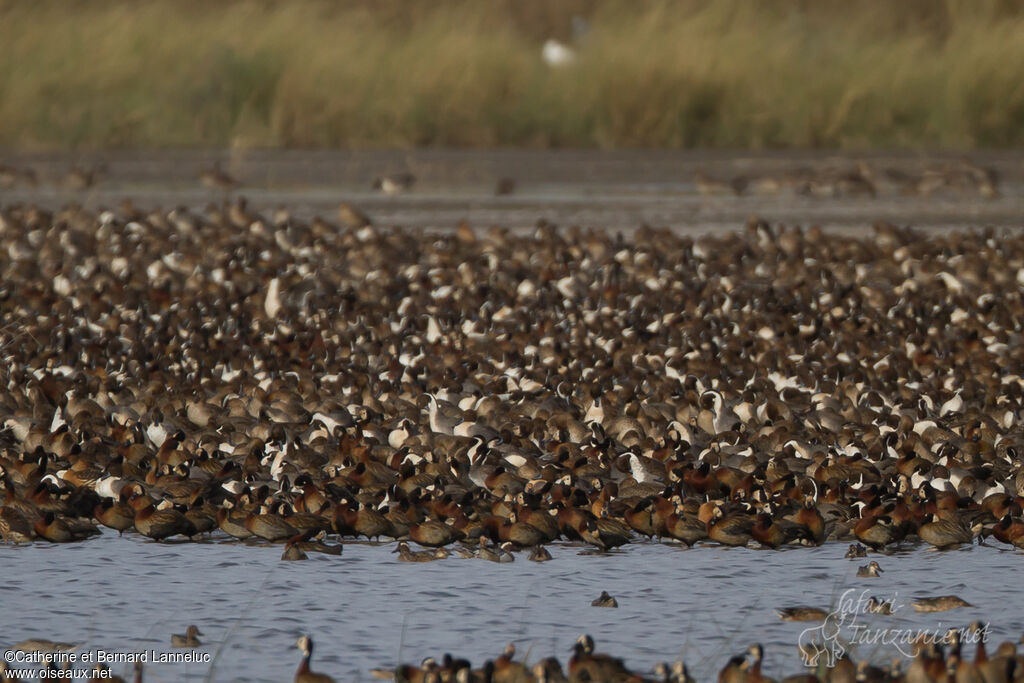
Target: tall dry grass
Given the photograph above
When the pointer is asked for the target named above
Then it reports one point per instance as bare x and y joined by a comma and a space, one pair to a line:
683, 73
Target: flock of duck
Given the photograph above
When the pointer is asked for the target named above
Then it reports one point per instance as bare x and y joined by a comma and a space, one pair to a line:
223, 372
177, 374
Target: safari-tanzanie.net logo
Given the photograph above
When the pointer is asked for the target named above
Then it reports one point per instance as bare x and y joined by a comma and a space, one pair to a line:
846, 627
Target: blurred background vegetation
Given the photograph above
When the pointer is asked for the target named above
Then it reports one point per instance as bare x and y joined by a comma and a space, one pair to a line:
404, 73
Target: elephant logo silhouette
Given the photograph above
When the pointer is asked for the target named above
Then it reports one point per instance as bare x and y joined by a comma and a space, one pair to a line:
822, 641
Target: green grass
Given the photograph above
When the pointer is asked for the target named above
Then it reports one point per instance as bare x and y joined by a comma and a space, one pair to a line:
403, 73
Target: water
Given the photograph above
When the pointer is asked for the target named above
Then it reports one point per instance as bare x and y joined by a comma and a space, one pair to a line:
364, 609
617, 190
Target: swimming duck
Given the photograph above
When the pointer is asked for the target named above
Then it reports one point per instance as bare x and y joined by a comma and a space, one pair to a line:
939, 604
304, 674
539, 554
493, 553
856, 550
43, 645
871, 569
801, 614
293, 553
405, 554
189, 639
605, 600
878, 606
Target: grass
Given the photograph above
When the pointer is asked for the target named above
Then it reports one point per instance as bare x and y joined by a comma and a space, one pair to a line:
404, 73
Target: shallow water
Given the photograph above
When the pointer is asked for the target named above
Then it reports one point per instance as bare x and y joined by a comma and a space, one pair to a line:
616, 190
367, 610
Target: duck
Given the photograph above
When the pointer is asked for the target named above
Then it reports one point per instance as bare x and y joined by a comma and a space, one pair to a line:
189, 639
539, 554
485, 551
232, 526
586, 665
771, 533
504, 186
939, 604
604, 534
405, 554
1007, 530
14, 527
856, 550
877, 605
730, 530
269, 525
432, 533
709, 186
160, 523
871, 569
801, 614
352, 217
505, 669
685, 528
44, 645
116, 515
875, 532
11, 176
216, 178
81, 178
293, 552
944, 533
304, 674
604, 600
520, 533
63, 530
548, 670
394, 183
754, 675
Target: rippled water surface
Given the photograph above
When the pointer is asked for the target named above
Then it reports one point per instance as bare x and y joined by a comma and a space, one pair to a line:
366, 610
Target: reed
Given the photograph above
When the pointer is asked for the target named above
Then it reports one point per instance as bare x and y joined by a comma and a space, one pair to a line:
403, 73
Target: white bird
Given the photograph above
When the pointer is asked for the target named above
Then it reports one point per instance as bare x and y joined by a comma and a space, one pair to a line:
556, 54
953, 405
